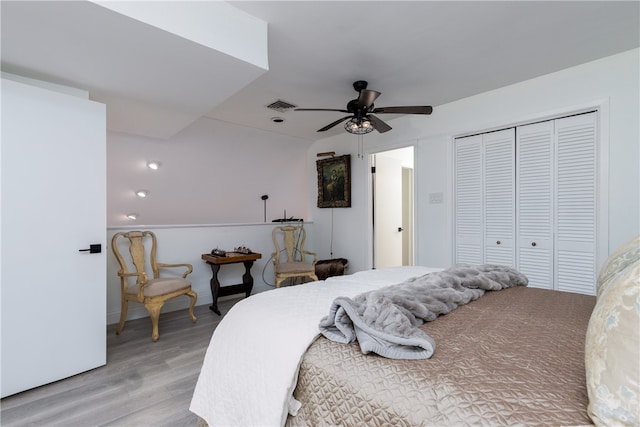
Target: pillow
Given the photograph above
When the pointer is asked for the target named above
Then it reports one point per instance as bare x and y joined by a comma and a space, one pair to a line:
612, 350
617, 262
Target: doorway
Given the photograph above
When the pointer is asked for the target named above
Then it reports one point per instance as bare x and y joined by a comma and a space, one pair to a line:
392, 183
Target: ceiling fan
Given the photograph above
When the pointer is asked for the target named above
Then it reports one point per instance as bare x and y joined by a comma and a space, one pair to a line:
362, 110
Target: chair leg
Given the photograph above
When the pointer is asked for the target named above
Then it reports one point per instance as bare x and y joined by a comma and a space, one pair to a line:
194, 297
314, 277
278, 281
154, 312
123, 315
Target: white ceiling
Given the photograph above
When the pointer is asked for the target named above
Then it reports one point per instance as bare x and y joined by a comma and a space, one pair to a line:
415, 53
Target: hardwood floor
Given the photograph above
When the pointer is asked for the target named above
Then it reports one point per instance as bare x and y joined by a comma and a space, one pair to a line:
143, 383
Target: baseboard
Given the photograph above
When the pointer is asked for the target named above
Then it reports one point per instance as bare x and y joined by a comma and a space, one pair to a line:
137, 311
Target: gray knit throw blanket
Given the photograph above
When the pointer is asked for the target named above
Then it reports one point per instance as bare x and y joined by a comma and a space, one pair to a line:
386, 321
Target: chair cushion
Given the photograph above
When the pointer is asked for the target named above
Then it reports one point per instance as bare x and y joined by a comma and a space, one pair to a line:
161, 286
294, 267
612, 345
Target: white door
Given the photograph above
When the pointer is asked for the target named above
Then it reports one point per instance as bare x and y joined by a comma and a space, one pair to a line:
576, 203
53, 318
499, 197
388, 212
485, 198
535, 170
469, 210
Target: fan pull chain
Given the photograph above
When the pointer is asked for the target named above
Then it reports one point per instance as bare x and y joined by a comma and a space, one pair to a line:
361, 146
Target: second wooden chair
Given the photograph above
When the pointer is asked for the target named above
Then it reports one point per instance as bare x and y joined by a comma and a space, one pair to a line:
293, 263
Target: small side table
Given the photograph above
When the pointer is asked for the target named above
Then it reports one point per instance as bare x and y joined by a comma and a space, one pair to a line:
232, 258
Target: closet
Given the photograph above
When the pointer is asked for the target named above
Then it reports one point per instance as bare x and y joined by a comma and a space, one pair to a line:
526, 197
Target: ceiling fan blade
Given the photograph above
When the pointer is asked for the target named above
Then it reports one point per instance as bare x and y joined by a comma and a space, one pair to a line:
426, 109
378, 124
320, 109
367, 97
330, 125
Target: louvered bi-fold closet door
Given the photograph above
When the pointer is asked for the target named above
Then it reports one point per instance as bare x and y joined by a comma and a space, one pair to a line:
576, 203
499, 197
468, 200
535, 210
537, 213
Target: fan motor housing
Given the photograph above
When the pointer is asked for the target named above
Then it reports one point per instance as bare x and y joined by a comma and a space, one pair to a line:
360, 85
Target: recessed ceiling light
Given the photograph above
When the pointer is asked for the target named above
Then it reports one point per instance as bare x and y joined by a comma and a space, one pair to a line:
133, 215
142, 193
154, 164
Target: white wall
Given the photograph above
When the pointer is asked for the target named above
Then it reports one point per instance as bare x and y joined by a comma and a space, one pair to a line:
217, 25
207, 194
612, 81
212, 173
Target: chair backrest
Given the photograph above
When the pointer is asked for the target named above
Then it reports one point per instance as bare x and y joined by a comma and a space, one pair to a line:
135, 240
292, 238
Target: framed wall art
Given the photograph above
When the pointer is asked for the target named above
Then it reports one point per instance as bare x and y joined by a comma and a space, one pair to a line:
334, 182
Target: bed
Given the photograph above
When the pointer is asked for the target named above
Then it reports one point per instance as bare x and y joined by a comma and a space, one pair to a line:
511, 357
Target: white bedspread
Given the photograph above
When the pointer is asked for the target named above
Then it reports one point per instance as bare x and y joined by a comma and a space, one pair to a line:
250, 368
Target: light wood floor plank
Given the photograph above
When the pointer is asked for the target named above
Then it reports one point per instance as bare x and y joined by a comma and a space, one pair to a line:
143, 384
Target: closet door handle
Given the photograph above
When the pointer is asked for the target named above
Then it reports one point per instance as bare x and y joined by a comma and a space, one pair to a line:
533, 243
498, 242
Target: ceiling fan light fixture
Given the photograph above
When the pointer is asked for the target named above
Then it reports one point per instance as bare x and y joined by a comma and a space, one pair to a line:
358, 126
363, 118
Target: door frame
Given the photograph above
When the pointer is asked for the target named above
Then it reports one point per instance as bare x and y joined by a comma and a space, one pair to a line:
371, 199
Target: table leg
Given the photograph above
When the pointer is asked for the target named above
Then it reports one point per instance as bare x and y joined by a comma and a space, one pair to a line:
215, 288
247, 280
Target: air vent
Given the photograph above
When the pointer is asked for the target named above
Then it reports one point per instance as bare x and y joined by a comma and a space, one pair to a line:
281, 106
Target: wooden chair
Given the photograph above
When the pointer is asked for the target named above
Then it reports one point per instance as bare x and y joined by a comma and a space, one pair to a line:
151, 292
292, 238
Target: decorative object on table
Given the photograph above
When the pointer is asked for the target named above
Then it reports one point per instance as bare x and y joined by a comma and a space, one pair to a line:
334, 182
153, 293
218, 252
243, 250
